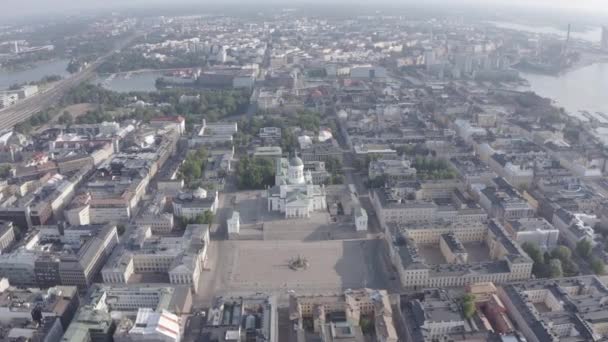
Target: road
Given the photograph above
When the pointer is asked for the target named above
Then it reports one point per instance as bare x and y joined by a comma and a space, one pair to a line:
24, 109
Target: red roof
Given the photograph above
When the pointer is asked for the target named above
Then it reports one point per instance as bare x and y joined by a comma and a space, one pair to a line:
316, 93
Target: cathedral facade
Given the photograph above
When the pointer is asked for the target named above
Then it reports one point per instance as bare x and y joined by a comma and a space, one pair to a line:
294, 193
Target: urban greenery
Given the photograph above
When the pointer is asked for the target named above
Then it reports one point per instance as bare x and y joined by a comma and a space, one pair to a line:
120, 229
133, 60
5, 171
555, 264
255, 173
412, 150
206, 218
193, 167
35, 120
598, 266
564, 255
367, 325
202, 104
431, 168
468, 305
583, 249
66, 118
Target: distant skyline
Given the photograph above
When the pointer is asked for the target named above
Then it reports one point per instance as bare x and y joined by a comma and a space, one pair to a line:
15, 8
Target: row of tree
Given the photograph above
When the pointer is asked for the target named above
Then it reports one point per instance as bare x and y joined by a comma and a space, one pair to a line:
554, 264
334, 167
193, 167
35, 120
584, 249
206, 218
255, 173
559, 263
133, 60
432, 168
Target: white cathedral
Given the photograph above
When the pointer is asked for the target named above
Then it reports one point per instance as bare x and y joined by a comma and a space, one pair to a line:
294, 193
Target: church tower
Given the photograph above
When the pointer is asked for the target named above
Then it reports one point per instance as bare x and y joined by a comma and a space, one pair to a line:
296, 171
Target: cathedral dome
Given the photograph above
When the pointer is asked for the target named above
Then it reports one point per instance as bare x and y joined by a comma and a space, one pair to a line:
296, 161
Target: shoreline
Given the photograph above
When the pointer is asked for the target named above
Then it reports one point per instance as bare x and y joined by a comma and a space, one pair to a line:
31, 66
572, 113
564, 71
141, 71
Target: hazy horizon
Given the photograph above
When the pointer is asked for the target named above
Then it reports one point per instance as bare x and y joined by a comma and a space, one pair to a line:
27, 8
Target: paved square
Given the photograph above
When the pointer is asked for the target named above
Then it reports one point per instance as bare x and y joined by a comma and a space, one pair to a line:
332, 264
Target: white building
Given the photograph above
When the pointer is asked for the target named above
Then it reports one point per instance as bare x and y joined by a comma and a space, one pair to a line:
233, 224
533, 230
467, 131
294, 192
192, 205
182, 258
574, 227
360, 219
27, 91
150, 326
8, 99
160, 223
7, 235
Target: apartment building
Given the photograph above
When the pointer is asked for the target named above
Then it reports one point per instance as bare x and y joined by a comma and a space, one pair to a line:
182, 258
534, 230
39, 261
191, 205
7, 235
501, 200
575, 308
352, 305
505, 261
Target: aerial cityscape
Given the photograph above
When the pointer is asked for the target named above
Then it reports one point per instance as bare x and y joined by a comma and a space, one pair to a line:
306, 172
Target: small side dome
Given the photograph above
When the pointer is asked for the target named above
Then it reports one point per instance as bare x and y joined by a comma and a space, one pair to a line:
199, 193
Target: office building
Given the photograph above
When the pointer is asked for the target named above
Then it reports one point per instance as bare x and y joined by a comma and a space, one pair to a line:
149, 326
336, 317
50, 256
415, 258
564, 309
182, 258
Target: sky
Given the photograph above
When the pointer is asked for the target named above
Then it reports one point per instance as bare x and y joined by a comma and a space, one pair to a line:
12, 8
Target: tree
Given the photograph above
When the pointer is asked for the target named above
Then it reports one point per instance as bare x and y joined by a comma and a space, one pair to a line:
5, 171
193, 167
289, 141
562, 253
555, 268
533, 251
583, 248
120, 229
66, 118
367, 325
468, 305
377, 182
333, 165
255, 173
539, 268
208, 217
598, 266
